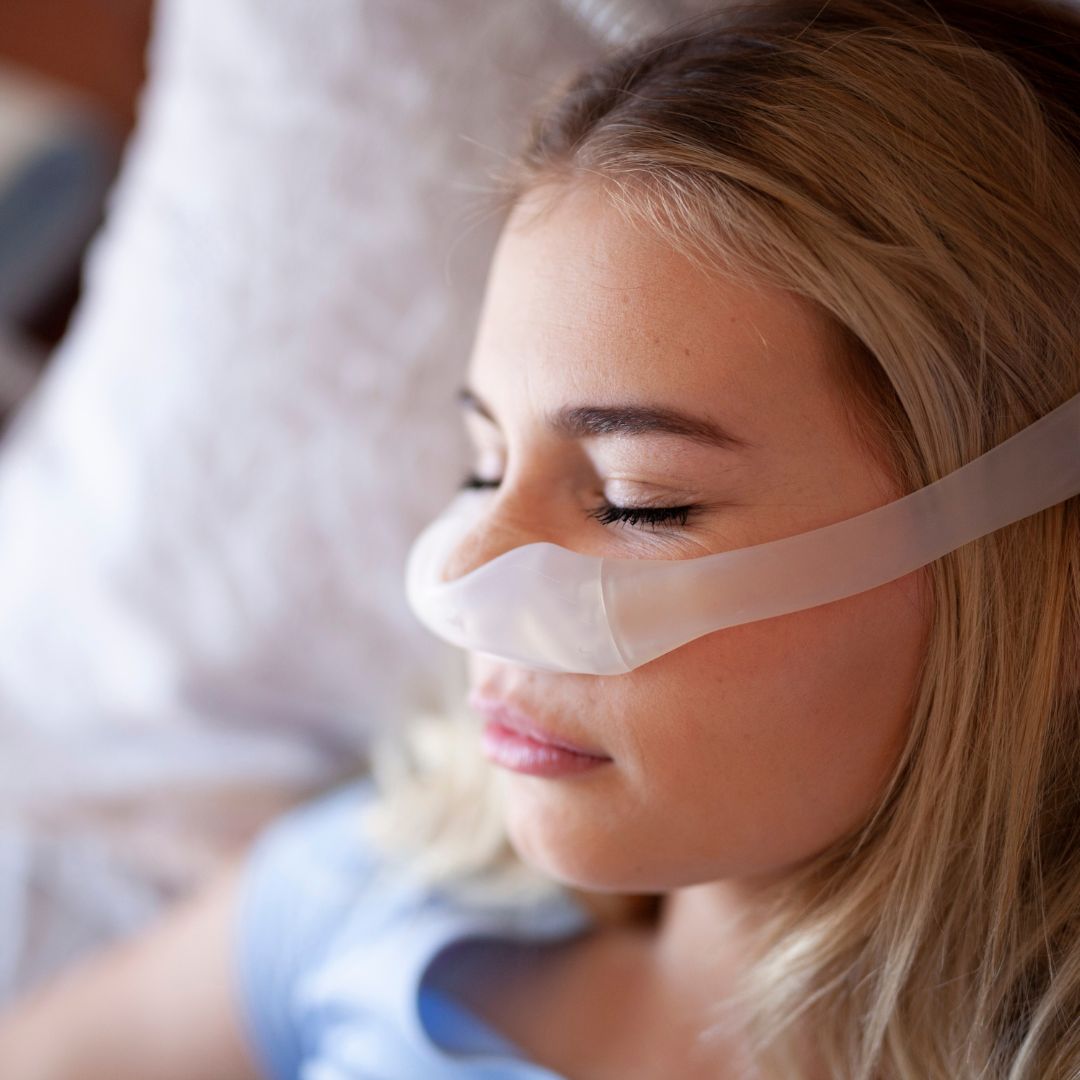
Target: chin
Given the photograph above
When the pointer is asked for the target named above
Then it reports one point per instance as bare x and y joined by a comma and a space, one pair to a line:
578, 849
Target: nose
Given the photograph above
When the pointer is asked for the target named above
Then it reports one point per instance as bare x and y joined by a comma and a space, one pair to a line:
485, 533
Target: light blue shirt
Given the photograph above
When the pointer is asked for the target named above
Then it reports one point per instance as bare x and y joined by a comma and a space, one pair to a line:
331, 958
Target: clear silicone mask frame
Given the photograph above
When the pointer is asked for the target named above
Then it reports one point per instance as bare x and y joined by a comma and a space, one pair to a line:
546, 607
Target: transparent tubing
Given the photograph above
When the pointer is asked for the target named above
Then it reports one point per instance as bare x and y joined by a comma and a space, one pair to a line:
546, 607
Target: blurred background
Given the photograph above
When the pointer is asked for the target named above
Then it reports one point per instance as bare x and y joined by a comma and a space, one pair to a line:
70, 72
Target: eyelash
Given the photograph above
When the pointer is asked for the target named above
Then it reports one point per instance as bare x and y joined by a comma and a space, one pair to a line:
609, 514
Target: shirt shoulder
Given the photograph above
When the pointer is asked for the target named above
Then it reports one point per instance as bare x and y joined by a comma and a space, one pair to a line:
331, 954
302, 875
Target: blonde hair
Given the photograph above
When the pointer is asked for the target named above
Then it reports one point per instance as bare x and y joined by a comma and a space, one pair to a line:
915, 171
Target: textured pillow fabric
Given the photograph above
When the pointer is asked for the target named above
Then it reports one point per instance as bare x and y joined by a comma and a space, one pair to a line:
206, 504
205, 508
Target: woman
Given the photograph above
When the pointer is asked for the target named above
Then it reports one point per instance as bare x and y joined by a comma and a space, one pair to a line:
765, 272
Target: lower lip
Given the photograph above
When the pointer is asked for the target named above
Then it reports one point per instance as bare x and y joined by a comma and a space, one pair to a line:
512, 750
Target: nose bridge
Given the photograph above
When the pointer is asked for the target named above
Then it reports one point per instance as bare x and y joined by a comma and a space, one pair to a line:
488, 533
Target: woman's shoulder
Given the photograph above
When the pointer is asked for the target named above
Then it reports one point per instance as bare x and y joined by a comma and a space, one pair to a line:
317, 867
318, 843
300, 877
333, 941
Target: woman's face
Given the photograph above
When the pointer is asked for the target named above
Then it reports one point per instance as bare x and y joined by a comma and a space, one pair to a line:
749, 749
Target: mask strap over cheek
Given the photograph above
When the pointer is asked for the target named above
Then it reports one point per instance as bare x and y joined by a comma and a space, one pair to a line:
546, 607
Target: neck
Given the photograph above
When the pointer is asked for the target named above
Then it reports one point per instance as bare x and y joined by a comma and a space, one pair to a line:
702, 937
704, 941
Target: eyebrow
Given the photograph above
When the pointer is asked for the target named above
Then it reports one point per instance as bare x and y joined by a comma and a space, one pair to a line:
585, 421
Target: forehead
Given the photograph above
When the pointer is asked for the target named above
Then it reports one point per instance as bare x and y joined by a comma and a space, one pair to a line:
582, 304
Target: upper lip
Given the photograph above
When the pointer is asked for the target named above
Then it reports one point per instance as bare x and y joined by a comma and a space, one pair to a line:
514, 716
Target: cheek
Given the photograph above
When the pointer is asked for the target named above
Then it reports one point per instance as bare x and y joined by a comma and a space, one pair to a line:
783, 729
739, 754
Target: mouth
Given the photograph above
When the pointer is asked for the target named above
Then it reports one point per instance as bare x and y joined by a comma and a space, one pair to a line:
514, 739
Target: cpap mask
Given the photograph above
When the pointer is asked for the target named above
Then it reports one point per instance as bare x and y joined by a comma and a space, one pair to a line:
544, 606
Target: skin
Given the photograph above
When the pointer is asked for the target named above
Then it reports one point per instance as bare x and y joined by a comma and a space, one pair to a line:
740, 754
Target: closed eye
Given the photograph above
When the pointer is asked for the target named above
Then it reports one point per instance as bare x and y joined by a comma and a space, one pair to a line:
640, 517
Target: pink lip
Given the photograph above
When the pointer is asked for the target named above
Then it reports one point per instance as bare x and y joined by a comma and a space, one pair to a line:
511, 716
512, 739
509, 748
